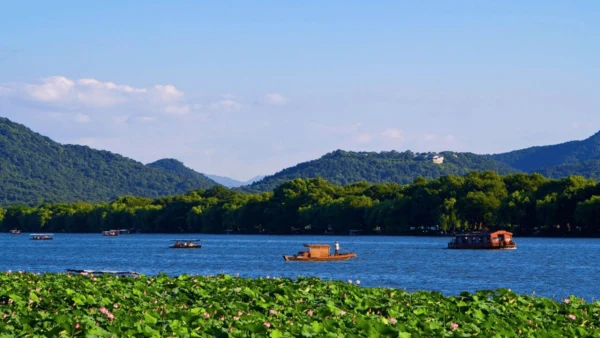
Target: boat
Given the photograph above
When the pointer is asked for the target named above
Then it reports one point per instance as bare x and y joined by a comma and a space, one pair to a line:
483, 240
41, 237
104, 272
318, 253
111, 233
186, 244
15, 232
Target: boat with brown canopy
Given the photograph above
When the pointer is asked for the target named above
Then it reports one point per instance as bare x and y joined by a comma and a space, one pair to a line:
318, 253
483, 240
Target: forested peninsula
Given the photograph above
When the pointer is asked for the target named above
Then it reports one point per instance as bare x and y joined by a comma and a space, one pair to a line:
527, 204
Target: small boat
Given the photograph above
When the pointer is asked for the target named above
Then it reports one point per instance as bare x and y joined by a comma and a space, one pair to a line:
483, 240
318, 253
104, 272
111, 233
15, 232
41, 237
186, 244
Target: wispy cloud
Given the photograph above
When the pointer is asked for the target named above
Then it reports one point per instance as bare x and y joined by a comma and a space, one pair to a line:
228, 105
274, 99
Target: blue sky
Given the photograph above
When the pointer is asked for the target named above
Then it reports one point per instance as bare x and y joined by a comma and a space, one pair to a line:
244, 88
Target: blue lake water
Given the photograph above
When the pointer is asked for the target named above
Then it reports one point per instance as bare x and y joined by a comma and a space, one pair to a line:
547, 266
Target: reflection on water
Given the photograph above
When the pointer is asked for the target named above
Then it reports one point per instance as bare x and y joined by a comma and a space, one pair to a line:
550, 267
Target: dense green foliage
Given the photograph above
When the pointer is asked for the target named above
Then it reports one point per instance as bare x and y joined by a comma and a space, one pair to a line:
343, 167
34, 168
56, 305
525, 204
589, 168
544, 157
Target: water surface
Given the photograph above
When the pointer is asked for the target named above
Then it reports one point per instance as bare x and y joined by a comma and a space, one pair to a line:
547, 266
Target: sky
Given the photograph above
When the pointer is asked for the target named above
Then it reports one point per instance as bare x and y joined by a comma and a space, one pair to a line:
246, 88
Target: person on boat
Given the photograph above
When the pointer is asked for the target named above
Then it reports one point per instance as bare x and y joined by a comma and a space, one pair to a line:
337, 248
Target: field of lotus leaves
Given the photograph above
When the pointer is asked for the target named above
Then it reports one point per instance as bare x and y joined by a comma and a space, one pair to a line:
54, 305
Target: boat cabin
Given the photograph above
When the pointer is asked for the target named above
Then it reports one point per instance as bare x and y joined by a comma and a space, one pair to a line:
186, 244
483, 240
316, 251
41, 237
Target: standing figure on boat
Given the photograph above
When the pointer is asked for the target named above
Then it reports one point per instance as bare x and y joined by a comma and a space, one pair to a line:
337, 248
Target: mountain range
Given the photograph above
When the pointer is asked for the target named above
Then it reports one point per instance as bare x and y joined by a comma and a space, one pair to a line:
232, 183
35, 169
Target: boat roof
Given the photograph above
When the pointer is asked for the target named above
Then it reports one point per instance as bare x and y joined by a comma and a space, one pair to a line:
186, 240
317, 245
41, 235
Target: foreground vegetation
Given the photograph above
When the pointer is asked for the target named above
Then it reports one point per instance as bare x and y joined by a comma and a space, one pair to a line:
56, 305
525, 204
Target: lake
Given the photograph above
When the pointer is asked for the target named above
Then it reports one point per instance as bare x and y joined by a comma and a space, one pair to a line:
547, 266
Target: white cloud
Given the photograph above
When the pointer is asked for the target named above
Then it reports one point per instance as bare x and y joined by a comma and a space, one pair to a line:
90, 92
393, 133
82, 118
167, 93
274, 99
341, 129
54, 88
226, 105
178, 109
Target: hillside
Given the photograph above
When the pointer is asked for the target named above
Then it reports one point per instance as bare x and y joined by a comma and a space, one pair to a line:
342, 167
175, 167
588, 169
35, 169
566, 155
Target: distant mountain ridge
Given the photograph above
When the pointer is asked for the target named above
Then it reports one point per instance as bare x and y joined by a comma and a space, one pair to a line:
344, 167
544, 158
233, 183
35, 169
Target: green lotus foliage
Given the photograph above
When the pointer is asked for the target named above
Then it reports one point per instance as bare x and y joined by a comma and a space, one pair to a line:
59, 305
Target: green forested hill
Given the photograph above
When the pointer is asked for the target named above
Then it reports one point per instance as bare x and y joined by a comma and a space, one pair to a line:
175, 167
33, 168
568, 155
343, 167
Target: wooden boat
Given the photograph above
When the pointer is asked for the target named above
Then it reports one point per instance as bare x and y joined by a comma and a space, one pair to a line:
41, 237
15, 232
186, 244
318, 253
104, 272
483, 240
110, 233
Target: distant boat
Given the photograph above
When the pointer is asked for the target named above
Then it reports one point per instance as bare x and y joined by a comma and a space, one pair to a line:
483, 240
318, 253
111, 233
41, 237
186, 244
15, 232
104, 272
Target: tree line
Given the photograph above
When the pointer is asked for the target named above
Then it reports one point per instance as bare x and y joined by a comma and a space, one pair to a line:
527, 204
